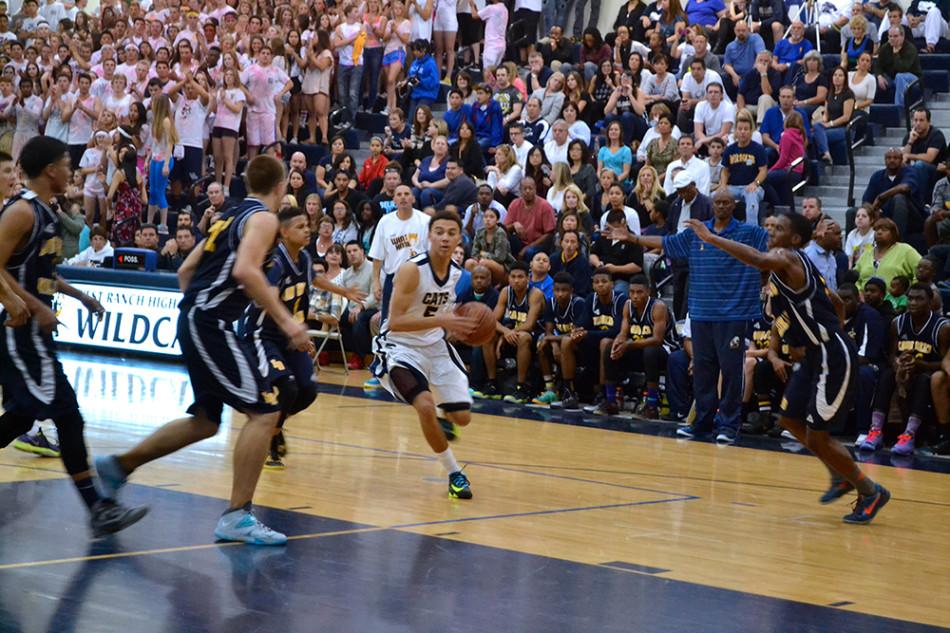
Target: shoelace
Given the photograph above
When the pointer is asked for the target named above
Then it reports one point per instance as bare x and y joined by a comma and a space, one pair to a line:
904, 437
873, 434
260, 526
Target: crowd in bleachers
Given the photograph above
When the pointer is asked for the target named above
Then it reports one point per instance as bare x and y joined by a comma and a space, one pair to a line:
549, 146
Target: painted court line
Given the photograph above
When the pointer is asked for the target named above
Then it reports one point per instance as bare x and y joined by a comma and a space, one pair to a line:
640, 569
317, 535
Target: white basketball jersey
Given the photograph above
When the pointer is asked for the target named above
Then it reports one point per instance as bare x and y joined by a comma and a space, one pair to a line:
432, 297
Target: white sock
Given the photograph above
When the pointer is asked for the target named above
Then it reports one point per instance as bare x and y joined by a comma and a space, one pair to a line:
447, 459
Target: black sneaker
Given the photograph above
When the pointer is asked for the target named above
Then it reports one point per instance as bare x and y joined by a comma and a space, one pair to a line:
488, 392
647, 411
755, 424
569, 400
274, 461
598, 400
520, 396
109, 517
942, 447
459, 488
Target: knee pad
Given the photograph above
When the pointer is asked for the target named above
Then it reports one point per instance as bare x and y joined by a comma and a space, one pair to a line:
409, 383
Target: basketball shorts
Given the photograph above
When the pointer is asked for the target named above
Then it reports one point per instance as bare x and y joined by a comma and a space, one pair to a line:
438, 368
820, 390
224, 368
34, 383
284, 362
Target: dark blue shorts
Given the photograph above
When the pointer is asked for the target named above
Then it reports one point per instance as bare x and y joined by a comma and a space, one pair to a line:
33, 380
224, 368
820, 390
285, 362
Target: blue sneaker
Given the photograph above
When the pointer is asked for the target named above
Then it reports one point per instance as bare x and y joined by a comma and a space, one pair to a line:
726, 437
866, 507
837, 490
241, 525
372, 383
109, 476
459, 487
689, 431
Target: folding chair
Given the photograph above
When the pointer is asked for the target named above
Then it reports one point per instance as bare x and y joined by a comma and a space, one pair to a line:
332, 333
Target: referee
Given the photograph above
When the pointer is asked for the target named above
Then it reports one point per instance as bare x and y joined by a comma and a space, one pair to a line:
723, 301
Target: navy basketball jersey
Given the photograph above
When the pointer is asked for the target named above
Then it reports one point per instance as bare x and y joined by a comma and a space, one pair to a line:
293, 281
34, 265
760, 332
922, 343
641, 325
213, 287
606, 316
565, 319
516, 311
807, 316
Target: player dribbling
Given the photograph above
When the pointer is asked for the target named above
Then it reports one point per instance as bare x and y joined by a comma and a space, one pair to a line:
416, 363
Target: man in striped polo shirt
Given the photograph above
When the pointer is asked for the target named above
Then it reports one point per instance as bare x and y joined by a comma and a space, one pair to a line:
723, 300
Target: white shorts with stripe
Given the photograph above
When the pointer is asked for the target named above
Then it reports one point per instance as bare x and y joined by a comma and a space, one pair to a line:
439, 365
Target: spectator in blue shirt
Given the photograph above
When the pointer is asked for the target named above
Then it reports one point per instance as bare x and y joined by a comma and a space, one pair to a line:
487, 118
423, 77
723, 301
705, 13
894, 193
790, 52
773, 124
745, 168
740, 56
457, 112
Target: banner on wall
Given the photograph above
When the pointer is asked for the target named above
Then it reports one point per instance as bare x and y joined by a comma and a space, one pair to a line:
138, 320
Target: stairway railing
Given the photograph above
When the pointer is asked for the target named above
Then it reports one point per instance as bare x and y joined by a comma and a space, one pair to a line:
851, 145
910, 107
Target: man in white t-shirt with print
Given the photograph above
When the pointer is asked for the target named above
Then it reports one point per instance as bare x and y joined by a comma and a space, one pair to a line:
398, 237
192, 104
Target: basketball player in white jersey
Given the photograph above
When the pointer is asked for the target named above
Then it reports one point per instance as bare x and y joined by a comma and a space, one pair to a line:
415, 362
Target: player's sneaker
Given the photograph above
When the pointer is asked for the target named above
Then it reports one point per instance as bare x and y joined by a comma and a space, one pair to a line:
688, 431
279, 443
520, 396
726, 437
647, 411
598, 400
274, 461
372, 384
942, 447
860, 439
488, 392
459, 488
905, 445
866, 508
547, 398
607, 407
109, 476
109, 517
451, 429
569, 400
837, 490
241, 525
37, 443
873, 441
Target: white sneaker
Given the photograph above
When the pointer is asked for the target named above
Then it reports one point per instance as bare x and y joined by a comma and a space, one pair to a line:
788, 435
242, 525
860, 439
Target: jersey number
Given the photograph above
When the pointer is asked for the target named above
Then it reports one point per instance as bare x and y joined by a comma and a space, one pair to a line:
430, 311
216, 229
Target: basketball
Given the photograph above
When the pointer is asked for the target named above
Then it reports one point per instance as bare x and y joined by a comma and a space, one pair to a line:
486, 322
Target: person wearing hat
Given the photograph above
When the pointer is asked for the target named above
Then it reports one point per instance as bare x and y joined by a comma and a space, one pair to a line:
688, 203
423, 78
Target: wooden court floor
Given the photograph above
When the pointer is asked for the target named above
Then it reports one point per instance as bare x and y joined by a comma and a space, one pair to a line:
684, 534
